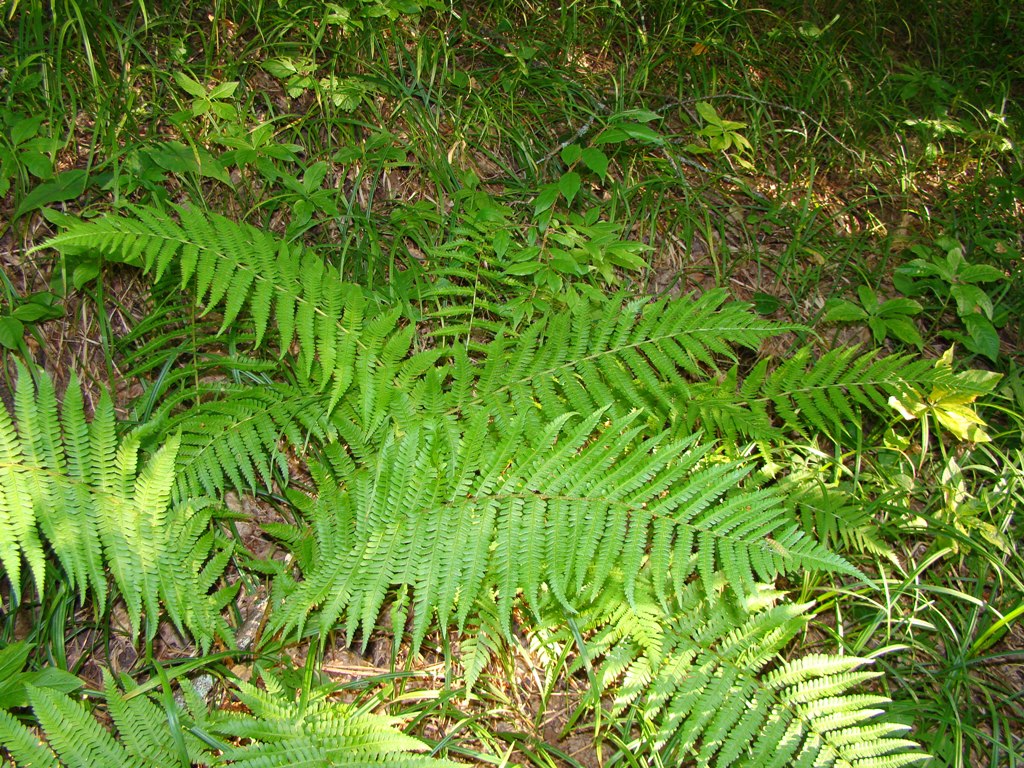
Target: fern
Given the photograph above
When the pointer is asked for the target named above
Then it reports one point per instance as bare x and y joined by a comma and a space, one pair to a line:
708, 682
233, 267
77, 487
624, 355
520, 515
665, 358
237, 436
313, 730
278, 730
569, 468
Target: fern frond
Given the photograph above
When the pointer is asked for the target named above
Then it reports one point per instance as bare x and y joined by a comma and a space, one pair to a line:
237, 436
835, 516
283, 731
707, 679
280, 729
457, 514
822, 396
142, 727
23, 745
101, 506
625, 355
23, 487
233, 267
73, 733
665, 358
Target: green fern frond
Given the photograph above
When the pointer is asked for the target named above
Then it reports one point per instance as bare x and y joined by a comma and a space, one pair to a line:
825, 395
23, 745
665, 358
73, 733
625, 355
835, 516
481, 641
102, 508
707, 680
238, 436
233, 267
279, 730
23, 486
283, 730
458, 514
142, 727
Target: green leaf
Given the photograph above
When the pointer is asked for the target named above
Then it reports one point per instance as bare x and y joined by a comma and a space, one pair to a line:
548, 194
969, 298
190, 86
25, 129
765, 303
11, 332
524, 268
68, 185
223, 110
842, 311
31, 312
224, 90
12, 659
596, 160
980, 273
281, 67
500, 242
564, 262
878, 329
868, 298
85, 273
314, 177
38, 164
613, 134
571, 153
982, 336
641, 133
708, 113
903, 328
899, 307
569, 185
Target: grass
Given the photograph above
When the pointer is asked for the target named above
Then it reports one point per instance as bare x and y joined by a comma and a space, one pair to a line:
405, 144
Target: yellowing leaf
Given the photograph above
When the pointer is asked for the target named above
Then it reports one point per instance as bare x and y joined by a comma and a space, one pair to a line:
963, 422
908, 410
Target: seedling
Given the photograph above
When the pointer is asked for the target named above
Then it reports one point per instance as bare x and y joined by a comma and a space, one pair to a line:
949, 276
722, 136
893, 316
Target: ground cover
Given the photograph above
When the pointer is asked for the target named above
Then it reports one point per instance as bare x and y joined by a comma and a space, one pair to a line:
574, 384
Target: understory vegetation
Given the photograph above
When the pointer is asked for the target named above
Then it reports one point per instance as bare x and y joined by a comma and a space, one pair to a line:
394, 382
